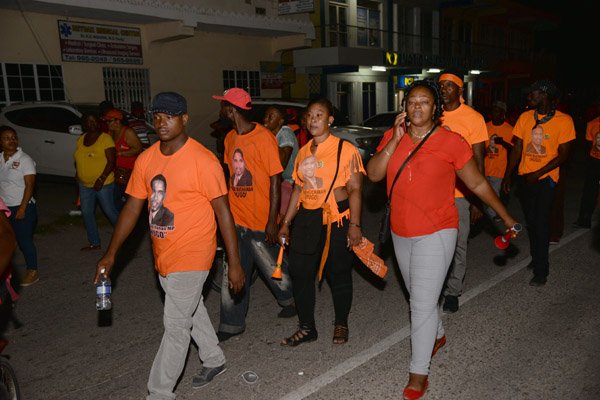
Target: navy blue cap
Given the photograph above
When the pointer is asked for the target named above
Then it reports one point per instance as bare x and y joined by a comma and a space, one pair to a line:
169, 103
545, 86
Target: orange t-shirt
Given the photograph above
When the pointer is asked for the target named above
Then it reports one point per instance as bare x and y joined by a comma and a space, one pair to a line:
469, 124
183, 230
314, 174
252, 159
592, 133
560, 129
496, 156
423, 199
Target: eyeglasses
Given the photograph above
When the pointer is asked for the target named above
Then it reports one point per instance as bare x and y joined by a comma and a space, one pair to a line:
111, 120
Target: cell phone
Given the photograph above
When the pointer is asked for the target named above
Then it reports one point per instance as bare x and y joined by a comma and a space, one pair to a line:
403, 109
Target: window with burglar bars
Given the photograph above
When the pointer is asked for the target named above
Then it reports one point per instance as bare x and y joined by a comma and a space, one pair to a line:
30, 82
124, 85
247, 80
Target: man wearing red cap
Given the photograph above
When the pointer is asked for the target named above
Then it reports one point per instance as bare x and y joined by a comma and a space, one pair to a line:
255, 208
460, 118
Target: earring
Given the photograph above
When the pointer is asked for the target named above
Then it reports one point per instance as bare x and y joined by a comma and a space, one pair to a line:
328, 124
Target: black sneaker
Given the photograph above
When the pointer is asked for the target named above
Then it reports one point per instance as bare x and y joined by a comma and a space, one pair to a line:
537, 281
288, 311
450, 304
223, 336
206, 375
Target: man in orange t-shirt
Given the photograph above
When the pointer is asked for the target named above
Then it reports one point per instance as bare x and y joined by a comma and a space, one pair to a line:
539, 171
252, 156
192, 187
589, 195
464, 120
497, 148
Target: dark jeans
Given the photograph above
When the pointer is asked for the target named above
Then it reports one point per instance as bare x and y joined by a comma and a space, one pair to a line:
536, 201
24, 233
590, 191
337, 272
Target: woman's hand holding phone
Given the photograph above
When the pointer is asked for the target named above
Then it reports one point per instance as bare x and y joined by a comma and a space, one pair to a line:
400, 126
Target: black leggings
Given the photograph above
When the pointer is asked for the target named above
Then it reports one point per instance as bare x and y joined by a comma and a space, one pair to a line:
303, 269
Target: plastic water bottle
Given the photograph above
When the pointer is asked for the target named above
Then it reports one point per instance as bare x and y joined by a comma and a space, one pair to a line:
103, 290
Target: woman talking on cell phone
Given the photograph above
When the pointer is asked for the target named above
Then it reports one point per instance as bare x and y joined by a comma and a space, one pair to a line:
424, 218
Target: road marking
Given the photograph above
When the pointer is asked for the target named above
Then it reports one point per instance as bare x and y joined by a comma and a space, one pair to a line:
314, 385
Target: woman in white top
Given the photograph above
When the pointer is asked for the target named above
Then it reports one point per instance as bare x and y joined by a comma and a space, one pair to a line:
17, 180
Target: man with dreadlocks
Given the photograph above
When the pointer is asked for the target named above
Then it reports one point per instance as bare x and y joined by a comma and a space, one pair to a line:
538, 171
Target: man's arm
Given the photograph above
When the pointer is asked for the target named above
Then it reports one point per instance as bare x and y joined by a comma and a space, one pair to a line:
561, 158
513, 160
274, 204
127, 220
284, 155
235, 273
8, 242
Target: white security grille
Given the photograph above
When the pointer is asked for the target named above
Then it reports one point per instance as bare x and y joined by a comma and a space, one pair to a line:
124, 85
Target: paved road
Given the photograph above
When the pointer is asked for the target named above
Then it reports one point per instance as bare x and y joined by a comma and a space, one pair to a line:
508, 340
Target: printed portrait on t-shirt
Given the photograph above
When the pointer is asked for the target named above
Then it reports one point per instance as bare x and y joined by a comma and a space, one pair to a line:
159, 215
308, 167
537, 138
492, 149
596, 145
241, 175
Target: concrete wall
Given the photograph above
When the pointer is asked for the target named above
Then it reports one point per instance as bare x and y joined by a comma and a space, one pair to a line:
190, 63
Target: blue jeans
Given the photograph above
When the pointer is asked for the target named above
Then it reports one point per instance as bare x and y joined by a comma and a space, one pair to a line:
88, 198
24, 233
254, 251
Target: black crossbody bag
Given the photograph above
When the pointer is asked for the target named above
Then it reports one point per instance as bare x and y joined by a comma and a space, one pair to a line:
384, 226
306, 229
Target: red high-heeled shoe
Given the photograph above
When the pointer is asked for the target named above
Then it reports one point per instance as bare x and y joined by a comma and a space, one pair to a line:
413, 394
439, 343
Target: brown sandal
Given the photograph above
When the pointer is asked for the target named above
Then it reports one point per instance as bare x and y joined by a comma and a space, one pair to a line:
90, 247
340, 334
302, 335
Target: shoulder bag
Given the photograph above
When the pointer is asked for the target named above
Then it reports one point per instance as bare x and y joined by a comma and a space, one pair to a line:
384, 226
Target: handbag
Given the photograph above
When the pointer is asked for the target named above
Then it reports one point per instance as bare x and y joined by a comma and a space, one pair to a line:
385, 224
306, 229
122, 175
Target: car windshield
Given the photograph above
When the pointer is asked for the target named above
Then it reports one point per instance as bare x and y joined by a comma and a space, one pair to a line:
379, 120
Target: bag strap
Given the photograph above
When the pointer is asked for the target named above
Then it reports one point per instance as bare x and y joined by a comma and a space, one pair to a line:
408, 158
337, 168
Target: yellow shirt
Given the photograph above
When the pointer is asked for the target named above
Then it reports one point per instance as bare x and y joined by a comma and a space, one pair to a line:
91, 160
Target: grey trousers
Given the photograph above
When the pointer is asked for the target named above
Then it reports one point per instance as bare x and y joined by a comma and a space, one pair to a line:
424, 263
454, 285
184, 316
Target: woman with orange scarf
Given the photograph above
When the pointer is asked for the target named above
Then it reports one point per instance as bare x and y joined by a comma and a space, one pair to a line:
325, 218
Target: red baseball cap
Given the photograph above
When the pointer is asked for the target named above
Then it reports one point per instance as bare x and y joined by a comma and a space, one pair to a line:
236, 96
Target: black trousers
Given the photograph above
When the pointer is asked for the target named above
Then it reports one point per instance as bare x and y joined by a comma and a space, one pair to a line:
303, 270
536, 201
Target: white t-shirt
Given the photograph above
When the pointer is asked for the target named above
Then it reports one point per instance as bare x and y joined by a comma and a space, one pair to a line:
12, 177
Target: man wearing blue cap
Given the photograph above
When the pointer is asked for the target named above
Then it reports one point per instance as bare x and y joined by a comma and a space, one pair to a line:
185, 246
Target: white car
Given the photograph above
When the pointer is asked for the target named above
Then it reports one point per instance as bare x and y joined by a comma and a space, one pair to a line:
365, 139
49, 131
